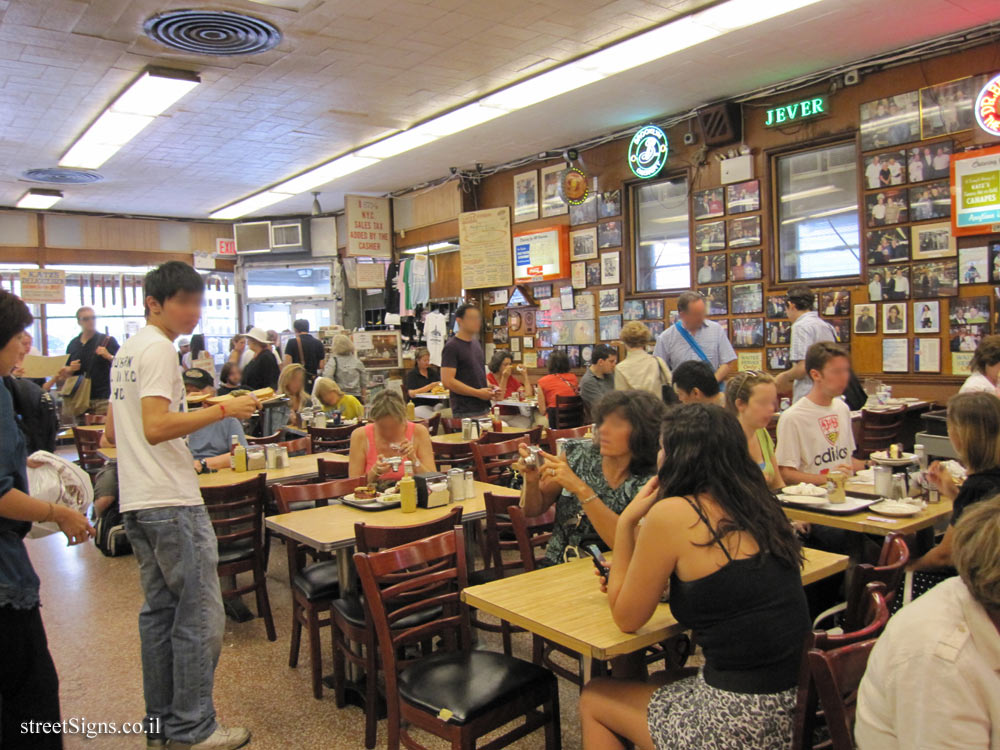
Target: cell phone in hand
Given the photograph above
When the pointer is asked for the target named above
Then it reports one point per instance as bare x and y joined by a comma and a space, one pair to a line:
600, 562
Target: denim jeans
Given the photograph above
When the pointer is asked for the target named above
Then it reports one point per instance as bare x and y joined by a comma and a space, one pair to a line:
181, 623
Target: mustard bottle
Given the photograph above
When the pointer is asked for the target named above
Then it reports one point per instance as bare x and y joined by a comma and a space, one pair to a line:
411, 410
407, 495
240, 458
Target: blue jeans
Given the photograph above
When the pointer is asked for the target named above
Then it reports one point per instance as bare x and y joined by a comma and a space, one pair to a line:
181, 623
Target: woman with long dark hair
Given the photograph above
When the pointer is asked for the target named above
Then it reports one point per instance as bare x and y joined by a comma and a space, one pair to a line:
708, 528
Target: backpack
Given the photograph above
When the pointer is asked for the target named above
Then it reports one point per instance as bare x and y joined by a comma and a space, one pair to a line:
36, 414
110, 536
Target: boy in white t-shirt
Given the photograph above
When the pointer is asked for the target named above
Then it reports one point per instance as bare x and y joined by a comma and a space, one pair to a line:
181, 623
815, 435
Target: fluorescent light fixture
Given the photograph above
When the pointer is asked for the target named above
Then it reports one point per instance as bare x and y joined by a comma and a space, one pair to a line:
147, 96
248, 205
322, 174
432, 249
457, 120
39, 198
547, 85
396, 144
738, 14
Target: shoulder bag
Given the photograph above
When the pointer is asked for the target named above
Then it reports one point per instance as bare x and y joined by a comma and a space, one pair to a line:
76, 391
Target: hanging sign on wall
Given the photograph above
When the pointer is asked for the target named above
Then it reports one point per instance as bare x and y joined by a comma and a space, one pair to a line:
988, 107
647, 151
369, 226
975, 195
806, 109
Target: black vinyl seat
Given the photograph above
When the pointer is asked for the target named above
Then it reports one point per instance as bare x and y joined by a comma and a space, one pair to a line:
318, 581
352, 608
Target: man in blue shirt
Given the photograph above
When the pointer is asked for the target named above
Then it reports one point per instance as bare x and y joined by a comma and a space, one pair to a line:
210, 445
807, 329
673, 346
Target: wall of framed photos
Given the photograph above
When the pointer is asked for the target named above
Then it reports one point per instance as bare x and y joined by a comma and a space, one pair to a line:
917, 299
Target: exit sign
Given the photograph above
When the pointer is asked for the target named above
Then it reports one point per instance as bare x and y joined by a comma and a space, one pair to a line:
806, 109
225, 246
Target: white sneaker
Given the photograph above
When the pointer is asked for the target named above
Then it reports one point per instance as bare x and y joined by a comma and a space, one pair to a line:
220, 739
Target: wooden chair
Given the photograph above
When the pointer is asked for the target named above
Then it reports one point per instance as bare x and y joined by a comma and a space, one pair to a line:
531, 534
331, 469
493, 460
889, 571
532, 436
481, 690
433, 423
92, 419
451, 424
313, 586
569, 411
570, 433
453, 455
879, 430
832, 683
275, 438
88, 442
352, 624
298, 447
237, 515
332, 439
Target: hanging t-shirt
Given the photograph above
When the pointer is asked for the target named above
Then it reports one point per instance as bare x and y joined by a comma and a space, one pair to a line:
391, 288
418, 281
815, 439
435, 333
149, 476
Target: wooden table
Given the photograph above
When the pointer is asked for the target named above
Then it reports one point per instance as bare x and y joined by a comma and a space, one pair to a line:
455, 438
861, 522
89, 427
564, 604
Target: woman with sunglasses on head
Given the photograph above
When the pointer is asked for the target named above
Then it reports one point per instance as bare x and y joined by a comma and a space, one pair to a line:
708, 527
751, 396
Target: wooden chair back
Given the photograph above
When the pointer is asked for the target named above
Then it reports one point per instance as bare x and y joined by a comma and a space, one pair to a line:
879, 430
237, 513
531, 533
332, 439
837, 675
532, 436
328, 469
454, 455
433, 423
493, 460
87, 444
92, 419
568, 411
275, 438
299, 446
375, 538
451, 424
571, 433
889, 572
291, 497
499, 534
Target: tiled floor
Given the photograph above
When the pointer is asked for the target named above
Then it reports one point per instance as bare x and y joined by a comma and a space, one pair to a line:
90, 606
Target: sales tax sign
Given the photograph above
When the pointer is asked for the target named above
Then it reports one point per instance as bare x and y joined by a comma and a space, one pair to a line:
369, 226
975, 195
647, 151
988, 107
39, 285
794, 112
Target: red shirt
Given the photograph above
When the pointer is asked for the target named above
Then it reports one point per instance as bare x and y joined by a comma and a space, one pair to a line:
552, 385
512, 384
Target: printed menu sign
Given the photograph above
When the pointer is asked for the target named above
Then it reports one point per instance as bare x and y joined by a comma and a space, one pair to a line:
369, 226
484, 237
41, 285
975, 196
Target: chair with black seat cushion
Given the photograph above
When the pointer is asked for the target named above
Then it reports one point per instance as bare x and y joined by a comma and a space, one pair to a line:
351, 623
493, 460
457, 693
332, 439
831, 670
568, 411
237, 515
329, 469
313, 586
570, 433
532, 436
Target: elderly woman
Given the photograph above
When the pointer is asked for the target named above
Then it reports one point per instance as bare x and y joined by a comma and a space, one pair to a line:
752, 396
640, 370
932, 678
292, 383
389, 434
346, 369
595, 479
985, 366
262, 371
328, 396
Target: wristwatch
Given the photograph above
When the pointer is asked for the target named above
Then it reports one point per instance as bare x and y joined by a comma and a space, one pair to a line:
204, 466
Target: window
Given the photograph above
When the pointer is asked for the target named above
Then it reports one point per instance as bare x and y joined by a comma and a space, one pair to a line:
282, 282
663, 248
818, 235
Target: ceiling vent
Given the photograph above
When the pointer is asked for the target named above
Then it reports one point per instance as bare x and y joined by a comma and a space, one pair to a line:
62, 176
212, 32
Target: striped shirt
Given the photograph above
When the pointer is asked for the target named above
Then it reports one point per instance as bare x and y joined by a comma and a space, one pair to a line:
711, 337
809, 329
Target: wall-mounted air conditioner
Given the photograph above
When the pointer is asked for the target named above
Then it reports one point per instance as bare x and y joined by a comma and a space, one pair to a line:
277, 236
253, 237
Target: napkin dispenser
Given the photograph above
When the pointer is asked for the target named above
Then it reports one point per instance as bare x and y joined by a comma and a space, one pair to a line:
432, 489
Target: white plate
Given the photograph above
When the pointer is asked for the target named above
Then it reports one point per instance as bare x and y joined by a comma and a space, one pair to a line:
802, 499
882, 457
796, 489
894, 508
363, 499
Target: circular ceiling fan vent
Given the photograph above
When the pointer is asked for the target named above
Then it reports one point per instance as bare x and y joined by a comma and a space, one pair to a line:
62, 176
212, 32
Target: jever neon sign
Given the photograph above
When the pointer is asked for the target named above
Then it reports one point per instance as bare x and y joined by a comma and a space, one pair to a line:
815, 106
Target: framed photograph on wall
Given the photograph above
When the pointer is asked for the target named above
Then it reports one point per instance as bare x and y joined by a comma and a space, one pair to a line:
529, 342
927, 316
654, 309
710, 236
969, 310
892, 283
608, 300
743, 232
633, 310
835, 303
610, 268
718, 299
746, 265
747, 298
553, 201
542, 291
973, 265
526, 196
709, 204
777, 358
947, 108
609, 204
743, 197
610, 327
712, 269
884, 170
578, 275
933, 241
886, 207
890, 121
994, 256
929, 162
865, 320
894, 318
935, 279
609, 234
515, 344
927, 355
888, 246
501, 336
583, 213
583, 244
841, 329
895, 355
779, 333
593, 273
930, 201
747, 333
777, 306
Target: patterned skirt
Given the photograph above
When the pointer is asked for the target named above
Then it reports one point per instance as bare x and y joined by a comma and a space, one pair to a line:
690, 713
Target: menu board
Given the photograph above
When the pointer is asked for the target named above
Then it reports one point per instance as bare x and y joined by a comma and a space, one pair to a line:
541, 255
975, 177
484, 238
369, 226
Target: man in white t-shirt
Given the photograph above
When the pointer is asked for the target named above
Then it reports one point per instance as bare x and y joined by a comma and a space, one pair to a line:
815, 435
181, 623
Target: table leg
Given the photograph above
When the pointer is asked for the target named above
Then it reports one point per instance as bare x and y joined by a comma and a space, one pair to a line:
345, 569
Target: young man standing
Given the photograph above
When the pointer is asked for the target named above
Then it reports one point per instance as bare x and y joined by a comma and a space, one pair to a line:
89, 355
304, 349
815, 435
181, 622
463, 366
600, 376
807, 329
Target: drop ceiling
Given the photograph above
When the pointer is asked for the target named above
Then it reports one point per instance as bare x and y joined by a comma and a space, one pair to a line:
348, 72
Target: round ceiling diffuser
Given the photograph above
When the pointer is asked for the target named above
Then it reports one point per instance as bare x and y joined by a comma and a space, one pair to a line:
62, 176
212, 32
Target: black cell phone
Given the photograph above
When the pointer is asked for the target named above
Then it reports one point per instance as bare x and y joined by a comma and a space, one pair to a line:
599, 560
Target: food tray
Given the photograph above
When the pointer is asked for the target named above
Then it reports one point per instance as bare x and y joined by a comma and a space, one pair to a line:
855, 502
372, 506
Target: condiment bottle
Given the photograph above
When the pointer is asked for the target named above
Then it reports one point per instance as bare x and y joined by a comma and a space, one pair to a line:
407, 495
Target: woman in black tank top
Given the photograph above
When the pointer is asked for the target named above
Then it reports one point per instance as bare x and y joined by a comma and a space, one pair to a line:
709, 528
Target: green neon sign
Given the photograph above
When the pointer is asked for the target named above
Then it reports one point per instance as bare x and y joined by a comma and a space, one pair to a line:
787, 114
647, 151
